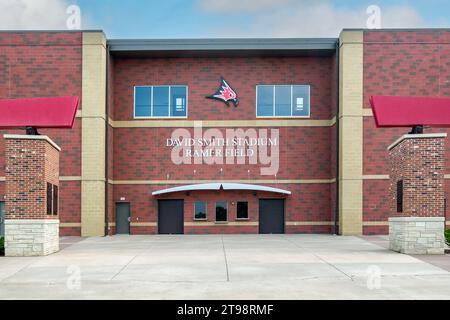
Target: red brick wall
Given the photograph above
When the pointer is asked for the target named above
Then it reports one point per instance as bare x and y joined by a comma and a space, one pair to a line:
305, 152
38, 64
202, 76
413, 62
308, 202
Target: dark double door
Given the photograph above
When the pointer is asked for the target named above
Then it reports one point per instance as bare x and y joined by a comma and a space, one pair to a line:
170, 216
271, 216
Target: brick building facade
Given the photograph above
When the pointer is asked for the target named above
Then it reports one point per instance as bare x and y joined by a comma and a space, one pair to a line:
333, 161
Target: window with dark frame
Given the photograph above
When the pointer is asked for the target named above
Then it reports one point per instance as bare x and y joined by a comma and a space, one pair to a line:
49, 197
200, 210
55, 200
221, 211
400, 196
242, 210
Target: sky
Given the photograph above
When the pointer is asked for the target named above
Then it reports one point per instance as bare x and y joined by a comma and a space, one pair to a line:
222, 18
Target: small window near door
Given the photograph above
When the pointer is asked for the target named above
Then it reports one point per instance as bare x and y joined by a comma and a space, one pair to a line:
242, 210
200, 210
221, 211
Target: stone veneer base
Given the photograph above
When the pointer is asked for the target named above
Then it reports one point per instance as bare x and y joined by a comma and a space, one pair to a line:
417, 235
37, 237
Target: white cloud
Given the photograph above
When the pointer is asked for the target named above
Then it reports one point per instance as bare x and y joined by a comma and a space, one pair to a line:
318, 18
230, 6
33, 14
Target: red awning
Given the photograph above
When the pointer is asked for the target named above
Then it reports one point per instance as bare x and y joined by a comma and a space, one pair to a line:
391, 111
52, 112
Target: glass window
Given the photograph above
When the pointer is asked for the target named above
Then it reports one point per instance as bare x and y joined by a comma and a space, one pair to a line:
178, 101
160, 101
242, 210
142, 101
300, 101
55, 200
282, 101
221, 211
200, 210
265, 101
49, 198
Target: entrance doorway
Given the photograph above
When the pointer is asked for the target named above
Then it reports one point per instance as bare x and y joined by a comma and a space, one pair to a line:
271, 216
170, 216
123, 216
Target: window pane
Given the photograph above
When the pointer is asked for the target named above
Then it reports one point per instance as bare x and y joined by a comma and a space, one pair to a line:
221, 211
49, 198
265, 101
242, 210
160, 101
178, 101
143, 97
55, 200
200, 210
282, 100
300, 100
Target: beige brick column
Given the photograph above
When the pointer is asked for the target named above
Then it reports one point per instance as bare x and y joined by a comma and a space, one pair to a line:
93, 134
350, 132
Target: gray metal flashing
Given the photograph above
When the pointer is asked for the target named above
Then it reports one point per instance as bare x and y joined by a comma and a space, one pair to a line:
309, 46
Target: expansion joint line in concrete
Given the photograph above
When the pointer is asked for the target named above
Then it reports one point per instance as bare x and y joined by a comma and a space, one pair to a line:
320, 258
226, 261
128, 263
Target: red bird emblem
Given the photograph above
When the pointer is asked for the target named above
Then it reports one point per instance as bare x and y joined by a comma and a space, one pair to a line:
225, 93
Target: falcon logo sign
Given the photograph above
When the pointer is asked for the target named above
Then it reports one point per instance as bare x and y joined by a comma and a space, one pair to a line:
225, 93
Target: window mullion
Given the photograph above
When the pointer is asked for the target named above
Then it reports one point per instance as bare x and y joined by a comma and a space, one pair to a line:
292, 111
273, 108
151, 101
169, 103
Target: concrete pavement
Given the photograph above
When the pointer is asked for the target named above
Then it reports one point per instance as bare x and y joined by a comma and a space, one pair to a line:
225, 267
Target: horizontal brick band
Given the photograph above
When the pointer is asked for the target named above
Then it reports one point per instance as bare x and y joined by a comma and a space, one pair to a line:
222, 123
70, 224
162, 182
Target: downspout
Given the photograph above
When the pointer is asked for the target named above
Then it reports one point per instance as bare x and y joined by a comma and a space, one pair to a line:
336, 211
107, 141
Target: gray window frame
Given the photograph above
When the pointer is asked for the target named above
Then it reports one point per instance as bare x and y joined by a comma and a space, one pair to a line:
215, 211
274, 96
248, 209
206, 211
169, 105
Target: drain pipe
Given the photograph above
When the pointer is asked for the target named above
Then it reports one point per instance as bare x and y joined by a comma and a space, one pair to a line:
336, 210
107, 140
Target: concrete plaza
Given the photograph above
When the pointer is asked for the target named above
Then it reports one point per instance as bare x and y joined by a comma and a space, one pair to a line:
225, 267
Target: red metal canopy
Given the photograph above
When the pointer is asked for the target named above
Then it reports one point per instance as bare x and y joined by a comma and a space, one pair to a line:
52, 112
392, 111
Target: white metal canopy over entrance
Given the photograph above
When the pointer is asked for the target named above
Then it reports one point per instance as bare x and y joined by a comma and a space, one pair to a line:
221, 186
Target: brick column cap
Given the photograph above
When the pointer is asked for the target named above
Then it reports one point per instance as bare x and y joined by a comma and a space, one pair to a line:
32, 137
416, 136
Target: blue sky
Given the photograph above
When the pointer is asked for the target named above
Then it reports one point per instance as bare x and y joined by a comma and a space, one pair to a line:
222, 18
197, 18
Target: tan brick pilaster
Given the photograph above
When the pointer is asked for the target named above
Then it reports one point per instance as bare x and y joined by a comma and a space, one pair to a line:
93, 134
351, 132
